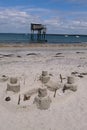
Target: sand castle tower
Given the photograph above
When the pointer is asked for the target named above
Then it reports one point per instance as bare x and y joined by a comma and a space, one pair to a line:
13, 84
70, 84
41, 32
44, 77
42, 101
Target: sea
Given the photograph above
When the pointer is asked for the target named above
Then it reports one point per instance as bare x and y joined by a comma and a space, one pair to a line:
25, 38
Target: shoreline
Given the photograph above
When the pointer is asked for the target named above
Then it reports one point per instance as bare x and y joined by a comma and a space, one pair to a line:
47, 45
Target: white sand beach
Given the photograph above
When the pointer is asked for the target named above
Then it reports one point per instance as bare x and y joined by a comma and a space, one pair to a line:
67, 111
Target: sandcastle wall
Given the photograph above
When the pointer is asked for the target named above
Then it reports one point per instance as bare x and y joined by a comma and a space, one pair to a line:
42, 101
13, 84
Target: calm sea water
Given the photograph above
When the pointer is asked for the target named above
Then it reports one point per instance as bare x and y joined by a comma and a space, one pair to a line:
51, 38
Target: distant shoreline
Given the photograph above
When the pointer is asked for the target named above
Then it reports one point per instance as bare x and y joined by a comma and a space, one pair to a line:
45, 46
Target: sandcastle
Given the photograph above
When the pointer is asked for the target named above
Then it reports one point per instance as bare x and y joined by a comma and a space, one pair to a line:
53, 86
13, 84
29, 93
44, 77
70, 84
42, 101
70, 80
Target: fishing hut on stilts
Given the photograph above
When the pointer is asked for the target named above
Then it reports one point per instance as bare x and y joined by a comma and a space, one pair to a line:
40, 36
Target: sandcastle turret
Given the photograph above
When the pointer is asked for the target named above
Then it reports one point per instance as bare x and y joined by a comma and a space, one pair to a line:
70, 80
13, 84
42, 101
70, 84
44, 77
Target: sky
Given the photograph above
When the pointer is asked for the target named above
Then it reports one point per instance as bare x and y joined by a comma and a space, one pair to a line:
59, 16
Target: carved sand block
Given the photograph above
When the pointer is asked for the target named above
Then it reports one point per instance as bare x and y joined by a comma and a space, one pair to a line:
44, 77
52, 86
72, 87
42, 92
44, 73
70, 79
13, 85
42, 101
70, 84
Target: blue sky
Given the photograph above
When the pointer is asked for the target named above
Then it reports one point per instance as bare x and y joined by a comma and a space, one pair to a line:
60, 16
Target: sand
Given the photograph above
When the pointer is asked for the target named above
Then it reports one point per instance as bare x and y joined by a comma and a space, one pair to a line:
68, 111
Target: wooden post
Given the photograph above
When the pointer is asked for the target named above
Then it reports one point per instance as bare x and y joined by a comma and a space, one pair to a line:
61, 78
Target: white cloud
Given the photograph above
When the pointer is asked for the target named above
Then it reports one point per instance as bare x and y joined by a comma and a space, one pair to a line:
12, 20
76, 1
18, 20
